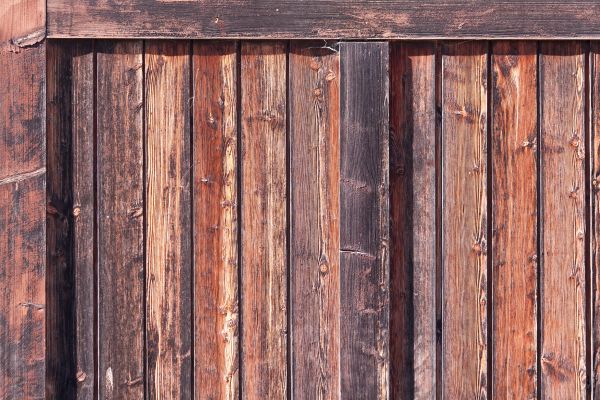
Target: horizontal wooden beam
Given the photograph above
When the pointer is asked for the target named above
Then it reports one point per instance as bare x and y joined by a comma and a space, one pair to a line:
326, 19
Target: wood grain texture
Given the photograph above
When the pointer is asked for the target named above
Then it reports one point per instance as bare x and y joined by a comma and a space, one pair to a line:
168, 220
216, 308
464, 223
264, 220
563, 346
364, 225
412, 221
22, 200
70, 223
595, 209
285, 19
514, 219
121, 214
314, 112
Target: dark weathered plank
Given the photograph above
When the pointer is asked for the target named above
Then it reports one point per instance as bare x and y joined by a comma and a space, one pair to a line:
464, 223
264, 220
364, 214
168, 220
563, 346
594, 214
22, 199
120, 219
216, 309
325, 19
412, 221
314, 172
70, 223
514, 219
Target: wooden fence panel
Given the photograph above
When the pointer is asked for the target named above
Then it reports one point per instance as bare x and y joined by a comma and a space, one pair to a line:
594, 220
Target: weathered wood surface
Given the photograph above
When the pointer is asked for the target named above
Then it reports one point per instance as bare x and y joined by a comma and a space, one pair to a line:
514, 219
366, 19
22, 199
168, 220
364, 225
594, 235
215, 152
562, 324
464, 223
413, 230
121, 215
314, 92
264, 220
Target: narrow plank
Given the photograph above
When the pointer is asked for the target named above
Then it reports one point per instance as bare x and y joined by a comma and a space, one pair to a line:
22, 199
314, 208
318, 19
364, 225
562, 77
70, 229
168, 220
464, 220
412, 221
514, 219
216, 308
121, 214
595, 209
264, 220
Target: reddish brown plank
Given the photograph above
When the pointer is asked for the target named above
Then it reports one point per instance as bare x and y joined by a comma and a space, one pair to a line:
562, 76
514, 219
264, 221
412, 221
121, 215
364, 221
216, 308
22, 199
464, 220
314, 271
70, 225
168, 219
595, 210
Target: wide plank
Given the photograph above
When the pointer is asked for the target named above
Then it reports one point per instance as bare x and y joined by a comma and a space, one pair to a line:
121, 215
413, 221
562, 119
364, 221
168, 219
514, 219
314, 113
216, 272
263, 220
464, 220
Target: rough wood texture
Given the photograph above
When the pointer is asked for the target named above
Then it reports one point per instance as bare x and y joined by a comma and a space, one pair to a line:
563, 360
70, 224
412, 221
514, 219
216, 308
314, 208
325, 19
22, 199
594, 212
464, 223
364, 214
168, 220
120, 219
264, 220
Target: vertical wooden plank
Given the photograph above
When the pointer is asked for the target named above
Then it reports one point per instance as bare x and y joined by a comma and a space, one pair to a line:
314, 271
70, 223
168, 219
514, 219
412, 221
562, 78
595, 210
464, 220
120, 219
264, 221
22, 199
216, 308
364, 214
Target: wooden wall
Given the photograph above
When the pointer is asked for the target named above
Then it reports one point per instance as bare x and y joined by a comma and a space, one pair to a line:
274, 219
